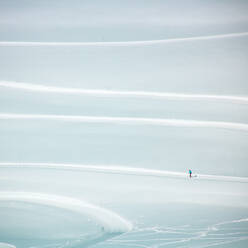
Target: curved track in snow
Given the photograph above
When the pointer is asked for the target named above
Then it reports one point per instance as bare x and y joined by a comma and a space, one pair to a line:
111, 221
122, 43
121, 170
116, 93
128, 120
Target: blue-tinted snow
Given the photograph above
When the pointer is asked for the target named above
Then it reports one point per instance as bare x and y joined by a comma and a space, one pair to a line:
97, 136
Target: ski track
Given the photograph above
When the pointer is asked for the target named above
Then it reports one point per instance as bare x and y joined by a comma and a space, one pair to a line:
121, 170
128, 120
135, 237
111, 221
116, 93
121, 43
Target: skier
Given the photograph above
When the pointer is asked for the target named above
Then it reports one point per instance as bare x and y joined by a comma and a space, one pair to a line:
190, 173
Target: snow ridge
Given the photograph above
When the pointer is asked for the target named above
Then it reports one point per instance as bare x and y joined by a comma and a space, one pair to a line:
128, 120
111, 221
5, 245
121, 169
117, 93
121, 43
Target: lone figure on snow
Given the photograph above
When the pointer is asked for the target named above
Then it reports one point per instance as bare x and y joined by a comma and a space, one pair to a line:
190, 173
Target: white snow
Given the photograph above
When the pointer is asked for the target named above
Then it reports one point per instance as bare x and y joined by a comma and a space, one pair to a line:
128, 120
104, 108
109, 220
114, 93
122, 43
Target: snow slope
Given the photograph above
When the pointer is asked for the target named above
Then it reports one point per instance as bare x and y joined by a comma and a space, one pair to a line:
105, 106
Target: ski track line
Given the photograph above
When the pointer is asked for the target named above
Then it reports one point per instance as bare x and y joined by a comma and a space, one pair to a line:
120, 43
116, 93
127, 120
111, 221
120, 169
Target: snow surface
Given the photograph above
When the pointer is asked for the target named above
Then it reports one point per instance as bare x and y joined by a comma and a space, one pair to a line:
105, 106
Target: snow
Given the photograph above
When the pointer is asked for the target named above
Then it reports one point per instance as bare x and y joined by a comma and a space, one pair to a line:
104, 108
109, 221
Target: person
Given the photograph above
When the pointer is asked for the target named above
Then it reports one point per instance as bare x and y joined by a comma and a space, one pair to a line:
190, 173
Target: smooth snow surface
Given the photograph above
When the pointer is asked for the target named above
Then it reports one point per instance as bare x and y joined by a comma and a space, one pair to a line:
105, 106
